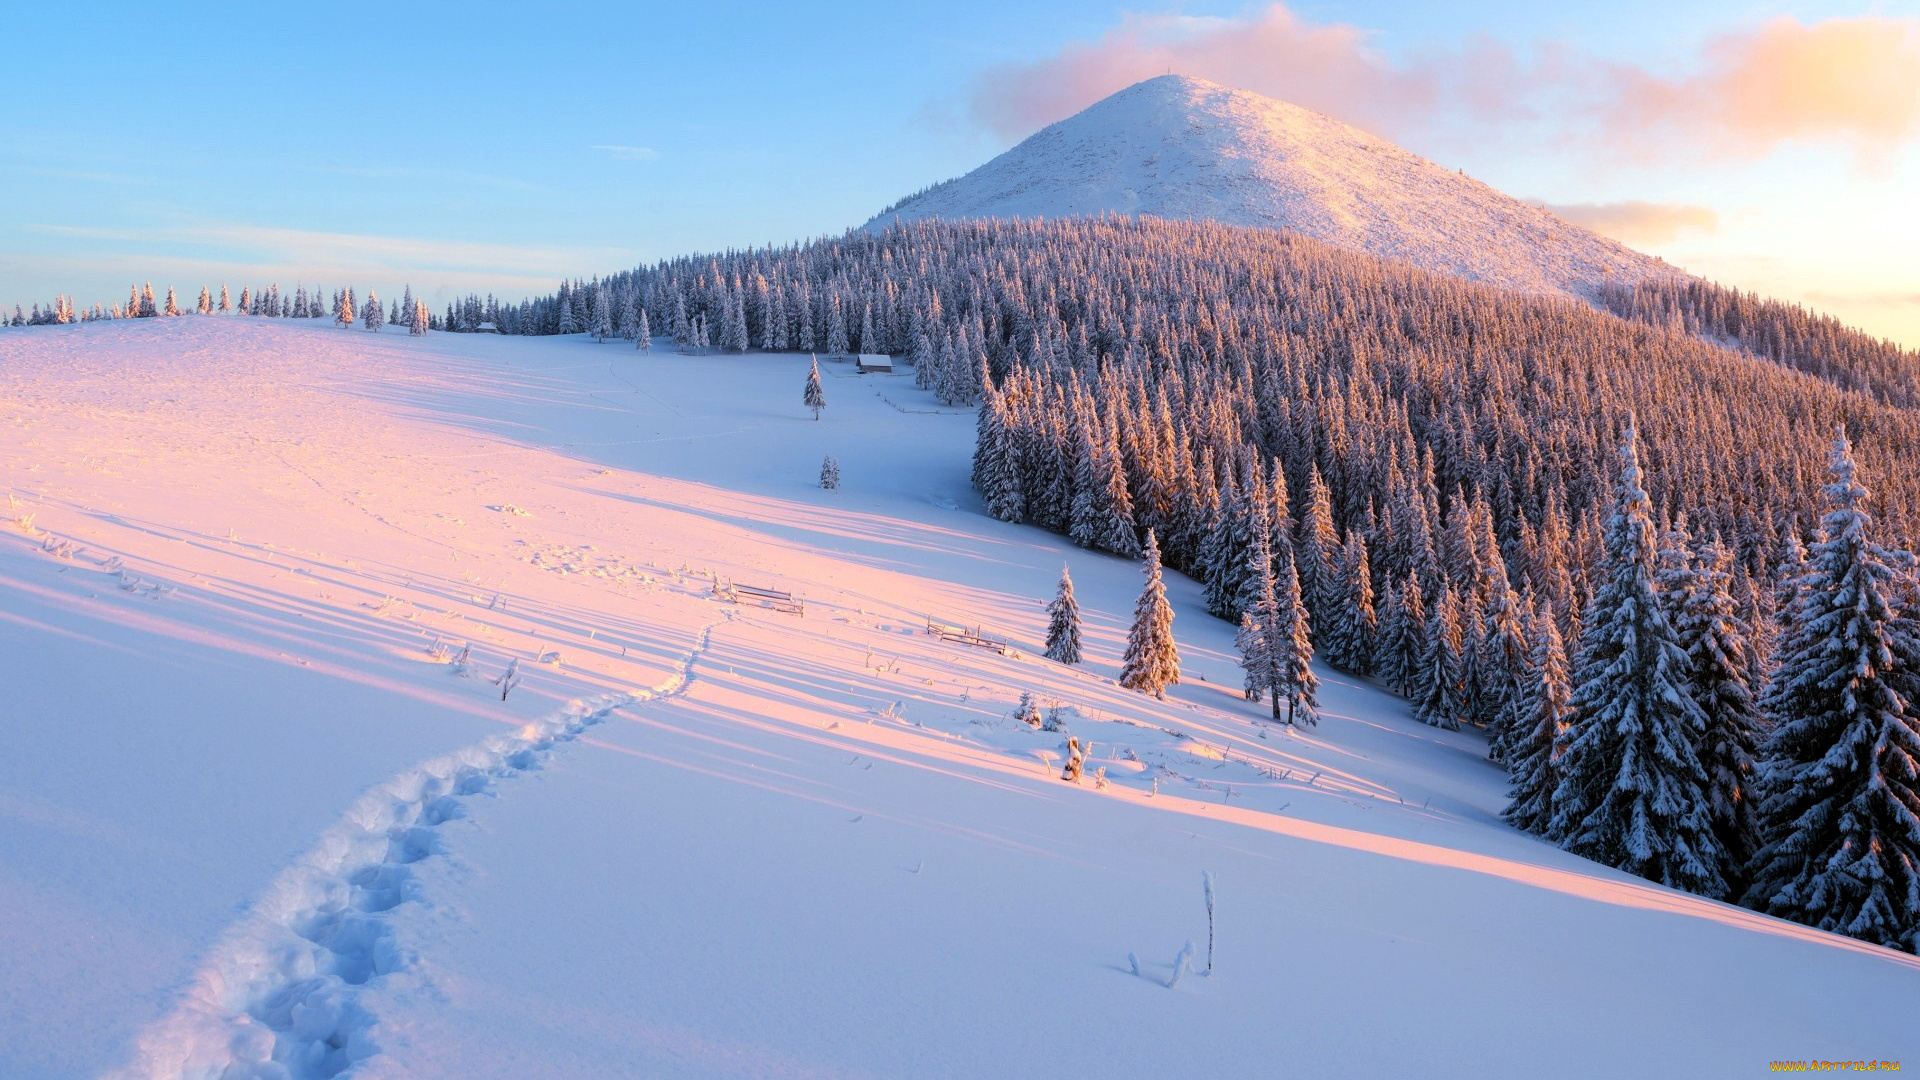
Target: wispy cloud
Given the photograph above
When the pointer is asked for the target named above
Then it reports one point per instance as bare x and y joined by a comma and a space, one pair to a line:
268, 247
1635, 222
629, 153
1854, 82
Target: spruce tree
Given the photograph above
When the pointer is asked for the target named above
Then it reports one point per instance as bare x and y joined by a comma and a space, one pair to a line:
996, 467
814, 397
1632, 793
1439, 697
1259, 620
1840, 790
1402, 640
1534, 745
836, 327
1289, 638
1504, 652
1152, 661
830, 473
601, 315
418, 326
1318, 549
1348, 637
1063, 623
374, 316
1711, 632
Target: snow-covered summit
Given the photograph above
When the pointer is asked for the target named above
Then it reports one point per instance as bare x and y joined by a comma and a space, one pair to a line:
1185, 148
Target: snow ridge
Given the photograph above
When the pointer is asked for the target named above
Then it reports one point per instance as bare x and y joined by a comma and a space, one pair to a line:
1188, 149
279, 997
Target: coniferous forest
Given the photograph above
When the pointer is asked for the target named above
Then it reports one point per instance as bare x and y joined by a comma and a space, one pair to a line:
1658, 548
1635, 549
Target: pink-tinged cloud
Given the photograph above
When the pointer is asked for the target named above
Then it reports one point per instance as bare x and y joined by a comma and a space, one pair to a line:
1635, 222
1274, 52
1852, 81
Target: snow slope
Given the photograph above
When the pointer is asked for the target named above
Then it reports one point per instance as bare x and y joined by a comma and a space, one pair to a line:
1185, 148
257, 823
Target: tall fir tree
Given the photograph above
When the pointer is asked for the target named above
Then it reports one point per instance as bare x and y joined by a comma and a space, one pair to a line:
1063, 623
1632, 793
1711, 632
1318, 549
1401, 645
1349, 638
1289, 637
1152, 660
1533, 752
1440, 695
374, 316
814, 396
1503, 653
1840, 789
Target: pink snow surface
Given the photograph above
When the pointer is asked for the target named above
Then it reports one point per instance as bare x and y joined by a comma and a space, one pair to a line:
254, 823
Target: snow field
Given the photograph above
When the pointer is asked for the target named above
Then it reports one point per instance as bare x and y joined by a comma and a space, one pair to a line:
813, 846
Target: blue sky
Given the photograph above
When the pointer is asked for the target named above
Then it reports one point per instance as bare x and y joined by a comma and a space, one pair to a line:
493, 147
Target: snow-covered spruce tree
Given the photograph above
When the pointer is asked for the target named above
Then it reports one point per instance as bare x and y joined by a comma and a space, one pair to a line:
1102, 510
1317, 551
148, 309
643, 334
342, 307
417, 326
1710, 631
1152, 661
1533, 747
1347, 638
374, 315
627, 321
1063, 623
1439, 697
1027, 712
995, 472
226, 304
1289, 639
602, 315
1840, 790
836, 327
813, 397
1632, 793
1401, 644
1258, 620
1504, 651
205, 306
1223, 552
830, 473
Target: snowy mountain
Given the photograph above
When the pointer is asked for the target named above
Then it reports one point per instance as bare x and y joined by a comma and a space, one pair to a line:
272, 808
1179, 147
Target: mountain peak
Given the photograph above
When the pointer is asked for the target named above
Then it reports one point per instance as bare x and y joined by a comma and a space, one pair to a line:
1176, 146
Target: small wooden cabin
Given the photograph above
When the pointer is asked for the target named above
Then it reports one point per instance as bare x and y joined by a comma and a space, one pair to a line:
877, 362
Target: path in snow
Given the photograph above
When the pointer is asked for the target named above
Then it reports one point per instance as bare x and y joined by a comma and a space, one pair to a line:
280, 997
